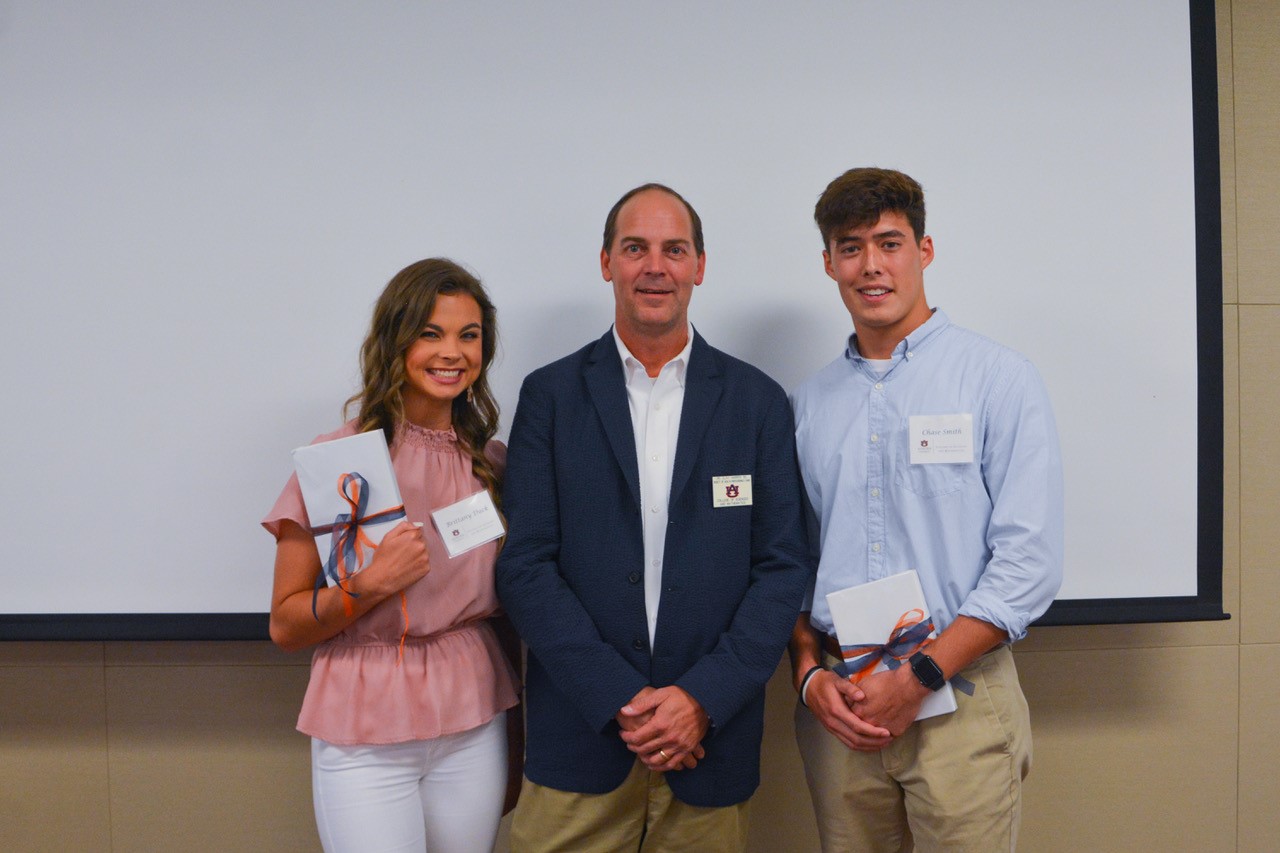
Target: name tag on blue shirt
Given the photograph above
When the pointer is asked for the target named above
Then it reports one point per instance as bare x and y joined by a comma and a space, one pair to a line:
941, 439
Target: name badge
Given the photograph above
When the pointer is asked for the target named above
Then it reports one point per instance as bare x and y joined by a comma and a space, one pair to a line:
469, 523
941, 439
731, 490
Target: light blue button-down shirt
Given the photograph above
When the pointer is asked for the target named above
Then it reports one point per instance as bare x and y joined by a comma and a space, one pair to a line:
985, 537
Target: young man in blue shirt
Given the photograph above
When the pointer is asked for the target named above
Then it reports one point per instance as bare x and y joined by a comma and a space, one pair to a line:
983, 529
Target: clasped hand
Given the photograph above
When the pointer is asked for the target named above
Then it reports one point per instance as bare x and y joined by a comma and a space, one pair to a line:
664, 726
844, 709
891, 699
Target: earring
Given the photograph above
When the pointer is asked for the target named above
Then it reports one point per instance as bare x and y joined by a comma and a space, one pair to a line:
471, 397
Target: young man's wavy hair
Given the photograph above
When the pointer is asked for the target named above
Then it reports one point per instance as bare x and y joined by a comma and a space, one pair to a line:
859, 197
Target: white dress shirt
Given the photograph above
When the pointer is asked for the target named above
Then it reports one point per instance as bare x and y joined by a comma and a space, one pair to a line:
656, 403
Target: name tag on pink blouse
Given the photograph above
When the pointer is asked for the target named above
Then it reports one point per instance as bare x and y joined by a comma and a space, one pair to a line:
469, 523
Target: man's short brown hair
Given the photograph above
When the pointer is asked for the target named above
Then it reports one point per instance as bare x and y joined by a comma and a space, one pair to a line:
860, 196
611, 221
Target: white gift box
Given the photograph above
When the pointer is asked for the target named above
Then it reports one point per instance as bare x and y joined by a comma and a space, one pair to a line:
879, 613
345, 479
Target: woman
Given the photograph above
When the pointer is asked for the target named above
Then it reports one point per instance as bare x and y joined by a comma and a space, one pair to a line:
409, 744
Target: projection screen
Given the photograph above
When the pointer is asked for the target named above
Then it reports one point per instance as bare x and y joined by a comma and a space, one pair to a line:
200, 202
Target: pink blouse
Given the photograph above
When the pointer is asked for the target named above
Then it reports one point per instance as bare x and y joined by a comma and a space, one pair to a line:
453, 676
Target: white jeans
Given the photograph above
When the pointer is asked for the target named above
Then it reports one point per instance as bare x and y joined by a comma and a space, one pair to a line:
442, 795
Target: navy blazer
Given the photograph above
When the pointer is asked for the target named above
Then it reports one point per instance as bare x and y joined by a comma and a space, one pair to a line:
571, 572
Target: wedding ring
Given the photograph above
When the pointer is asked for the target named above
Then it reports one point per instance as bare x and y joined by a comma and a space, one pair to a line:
663, 753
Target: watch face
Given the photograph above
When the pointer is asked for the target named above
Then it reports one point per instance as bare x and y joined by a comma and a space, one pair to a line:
925, 669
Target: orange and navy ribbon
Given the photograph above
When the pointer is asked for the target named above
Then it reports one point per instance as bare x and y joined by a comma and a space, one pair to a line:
349, 543
910, 634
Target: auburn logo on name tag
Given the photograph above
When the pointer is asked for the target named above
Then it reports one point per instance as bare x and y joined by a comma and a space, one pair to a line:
731, 490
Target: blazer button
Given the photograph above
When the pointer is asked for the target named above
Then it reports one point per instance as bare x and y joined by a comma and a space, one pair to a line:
634, 577
638, 645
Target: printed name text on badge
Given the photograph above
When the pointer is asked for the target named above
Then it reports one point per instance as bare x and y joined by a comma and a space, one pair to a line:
469, 523
940, 439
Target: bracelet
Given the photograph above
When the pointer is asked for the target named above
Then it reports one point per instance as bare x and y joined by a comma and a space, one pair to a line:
804, 682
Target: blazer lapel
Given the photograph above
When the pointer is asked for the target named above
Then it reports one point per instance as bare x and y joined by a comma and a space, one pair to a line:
702, 388
607, 387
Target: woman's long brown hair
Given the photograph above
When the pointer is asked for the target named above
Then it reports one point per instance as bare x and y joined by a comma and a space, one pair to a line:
401, 313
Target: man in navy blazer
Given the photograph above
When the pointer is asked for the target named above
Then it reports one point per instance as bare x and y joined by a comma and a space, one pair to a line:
655, 562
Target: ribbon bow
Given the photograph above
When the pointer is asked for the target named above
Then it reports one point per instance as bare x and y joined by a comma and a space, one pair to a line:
911, 633
349, 543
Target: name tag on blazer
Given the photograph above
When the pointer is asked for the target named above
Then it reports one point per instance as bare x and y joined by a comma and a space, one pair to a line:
731, 490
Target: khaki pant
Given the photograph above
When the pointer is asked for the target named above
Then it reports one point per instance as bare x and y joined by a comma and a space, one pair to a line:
953, 781
639, 815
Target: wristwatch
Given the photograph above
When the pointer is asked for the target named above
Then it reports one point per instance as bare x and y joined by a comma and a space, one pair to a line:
929, 673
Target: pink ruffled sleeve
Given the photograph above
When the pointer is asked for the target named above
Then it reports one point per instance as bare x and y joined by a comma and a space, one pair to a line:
289, 506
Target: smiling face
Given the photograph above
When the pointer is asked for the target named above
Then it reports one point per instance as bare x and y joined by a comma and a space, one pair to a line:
654, 267
880, 271
444, 361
